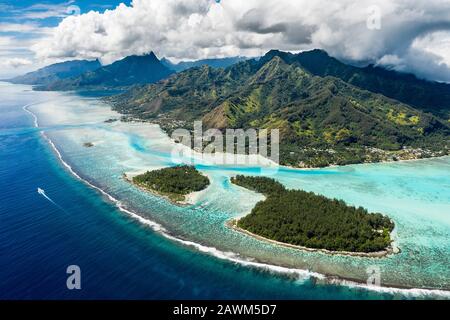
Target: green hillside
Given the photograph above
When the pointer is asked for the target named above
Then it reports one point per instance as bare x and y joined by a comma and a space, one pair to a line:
428, 96
323, 120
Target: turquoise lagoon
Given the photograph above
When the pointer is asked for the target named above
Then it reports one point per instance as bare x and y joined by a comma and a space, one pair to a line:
416, 195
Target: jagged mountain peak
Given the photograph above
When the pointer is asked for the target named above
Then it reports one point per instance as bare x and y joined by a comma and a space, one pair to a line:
143, 58
131, 70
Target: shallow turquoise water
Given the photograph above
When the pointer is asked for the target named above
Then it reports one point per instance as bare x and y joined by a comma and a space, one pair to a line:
415, 194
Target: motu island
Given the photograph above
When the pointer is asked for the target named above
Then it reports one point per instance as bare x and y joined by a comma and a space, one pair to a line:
175, 183
309, 221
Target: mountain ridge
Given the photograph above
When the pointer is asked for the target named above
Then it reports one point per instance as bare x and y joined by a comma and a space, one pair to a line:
57, 71
129, 71
428, 96
212, 62
323, 120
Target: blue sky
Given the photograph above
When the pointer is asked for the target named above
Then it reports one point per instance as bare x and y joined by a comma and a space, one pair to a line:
22, 11
24, 22
409, 36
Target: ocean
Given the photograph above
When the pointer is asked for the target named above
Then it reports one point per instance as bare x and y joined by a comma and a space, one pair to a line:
131, 245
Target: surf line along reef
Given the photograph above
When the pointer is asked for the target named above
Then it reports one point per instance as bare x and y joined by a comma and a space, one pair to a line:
306, 221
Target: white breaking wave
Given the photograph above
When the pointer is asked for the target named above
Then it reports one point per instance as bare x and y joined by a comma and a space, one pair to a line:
413, 292
25, 108
236, 258
230, 256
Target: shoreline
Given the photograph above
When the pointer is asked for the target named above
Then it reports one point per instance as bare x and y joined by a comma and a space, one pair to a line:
364, 163
248, 262
331, 279
188, 198
243, 261
268, 163
232, 224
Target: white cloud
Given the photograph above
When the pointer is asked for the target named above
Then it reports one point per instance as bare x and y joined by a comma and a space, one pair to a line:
12, 43
17, 27
193, 29
41, 11
27, 29
437, 43
16, 57
21, 29
16, 62
5, 41
18, 45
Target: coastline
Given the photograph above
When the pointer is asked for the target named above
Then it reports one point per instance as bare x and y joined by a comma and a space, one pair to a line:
243, 261
326, 278
189, 199
365, 163
263, 161
232, 223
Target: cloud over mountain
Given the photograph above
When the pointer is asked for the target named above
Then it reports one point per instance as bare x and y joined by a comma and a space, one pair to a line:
15, 62
405, 35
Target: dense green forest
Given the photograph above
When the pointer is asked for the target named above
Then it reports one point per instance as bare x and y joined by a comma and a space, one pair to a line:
323, 120
174, 182
428, 96
306, 219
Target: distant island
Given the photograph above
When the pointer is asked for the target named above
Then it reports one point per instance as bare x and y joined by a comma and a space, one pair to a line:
173, 183
308, 221
130, 71
57, 72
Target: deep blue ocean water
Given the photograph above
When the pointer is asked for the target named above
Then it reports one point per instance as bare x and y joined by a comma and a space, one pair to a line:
118, 257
